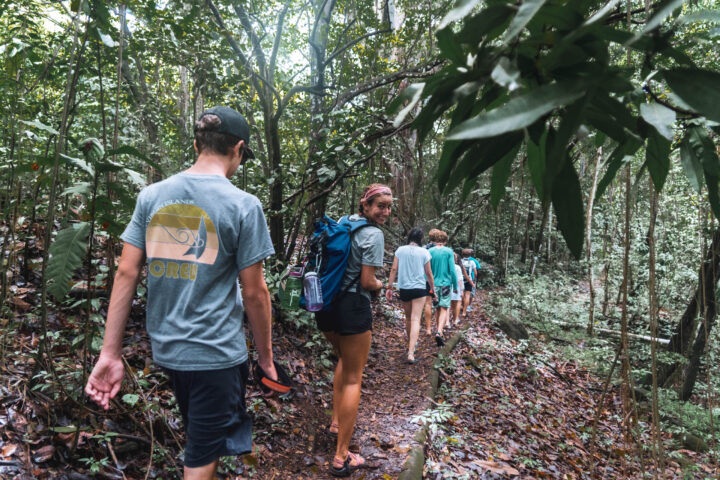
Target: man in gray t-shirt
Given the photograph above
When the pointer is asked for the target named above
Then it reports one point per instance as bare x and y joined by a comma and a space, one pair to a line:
197, 234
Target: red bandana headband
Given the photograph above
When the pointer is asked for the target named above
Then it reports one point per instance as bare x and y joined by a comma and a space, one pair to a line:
380, 190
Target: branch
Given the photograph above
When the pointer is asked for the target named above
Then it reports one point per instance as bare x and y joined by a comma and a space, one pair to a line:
254, 76
278, 35
682, 111
418, 71
622, 15
291, 93
332, 186
351, 43
372, 137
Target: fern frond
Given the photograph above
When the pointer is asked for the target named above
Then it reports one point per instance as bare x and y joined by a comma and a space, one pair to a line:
66, 254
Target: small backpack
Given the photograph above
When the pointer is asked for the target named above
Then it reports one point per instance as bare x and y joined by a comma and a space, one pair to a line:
329, 254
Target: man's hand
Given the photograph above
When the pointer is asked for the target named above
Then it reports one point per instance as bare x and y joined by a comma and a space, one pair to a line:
269, 368
105, 380
388, 294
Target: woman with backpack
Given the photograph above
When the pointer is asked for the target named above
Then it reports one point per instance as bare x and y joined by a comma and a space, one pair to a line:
411, 267
348, 324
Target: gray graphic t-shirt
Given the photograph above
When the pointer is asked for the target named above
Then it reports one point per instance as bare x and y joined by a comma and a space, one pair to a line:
198, 232
367, 248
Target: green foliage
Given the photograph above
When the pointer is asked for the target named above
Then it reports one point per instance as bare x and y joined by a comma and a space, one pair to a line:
67, 254
557, 72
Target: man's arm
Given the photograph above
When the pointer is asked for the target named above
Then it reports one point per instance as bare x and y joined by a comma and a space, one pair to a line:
106, 378
256, 299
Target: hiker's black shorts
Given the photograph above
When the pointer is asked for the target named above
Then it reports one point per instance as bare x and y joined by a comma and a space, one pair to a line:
468, 287
409, 294
212, 404
350, 314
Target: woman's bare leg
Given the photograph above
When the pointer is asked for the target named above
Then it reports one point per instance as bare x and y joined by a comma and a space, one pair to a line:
442, 319
428, 315
416, 308
408, 313
354, 350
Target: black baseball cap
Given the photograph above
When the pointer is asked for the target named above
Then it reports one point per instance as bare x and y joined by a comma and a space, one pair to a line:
232, 123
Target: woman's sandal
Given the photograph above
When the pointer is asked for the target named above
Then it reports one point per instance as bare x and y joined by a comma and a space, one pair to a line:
333, 429
352, 462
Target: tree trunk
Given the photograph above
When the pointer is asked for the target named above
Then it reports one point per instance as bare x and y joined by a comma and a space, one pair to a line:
588, 241
689, 340
539, 239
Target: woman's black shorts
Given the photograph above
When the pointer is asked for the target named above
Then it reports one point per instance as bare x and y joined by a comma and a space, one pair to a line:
350, 315
212, 404
408, 294
468, 286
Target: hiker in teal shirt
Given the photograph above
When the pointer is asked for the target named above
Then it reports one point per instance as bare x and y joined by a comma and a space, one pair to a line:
442, 263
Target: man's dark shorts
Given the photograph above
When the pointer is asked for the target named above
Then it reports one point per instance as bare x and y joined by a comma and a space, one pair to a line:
468, 286
212, 404
350, 315
409, 294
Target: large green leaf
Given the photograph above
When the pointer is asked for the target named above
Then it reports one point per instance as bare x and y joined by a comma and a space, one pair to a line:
41, 126
691, 165
506, 74
525, 13
412, 95
500, 174
698, 88
481, 156
704, 148
461, 10
489, 22
620, 156
536, 153
66, 255
703, 16
657, 157
660, 117
81, 164
451, 153
449, 47
713, 192
602, 13
664, 10
568, 204
519, 112
129, 150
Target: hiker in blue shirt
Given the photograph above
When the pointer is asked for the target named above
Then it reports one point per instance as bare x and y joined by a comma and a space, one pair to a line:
442, 262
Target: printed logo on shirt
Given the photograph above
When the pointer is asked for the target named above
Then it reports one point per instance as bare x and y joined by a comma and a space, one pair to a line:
184, 233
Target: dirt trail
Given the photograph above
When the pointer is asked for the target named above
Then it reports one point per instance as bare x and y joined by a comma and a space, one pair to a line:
393, 392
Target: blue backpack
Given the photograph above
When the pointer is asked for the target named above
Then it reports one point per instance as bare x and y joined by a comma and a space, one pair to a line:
329, 254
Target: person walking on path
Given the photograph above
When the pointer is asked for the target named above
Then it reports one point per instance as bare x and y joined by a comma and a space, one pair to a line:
411, 267
471, 269
198, 232
457, 295
348, 324
427, 310
443, 269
